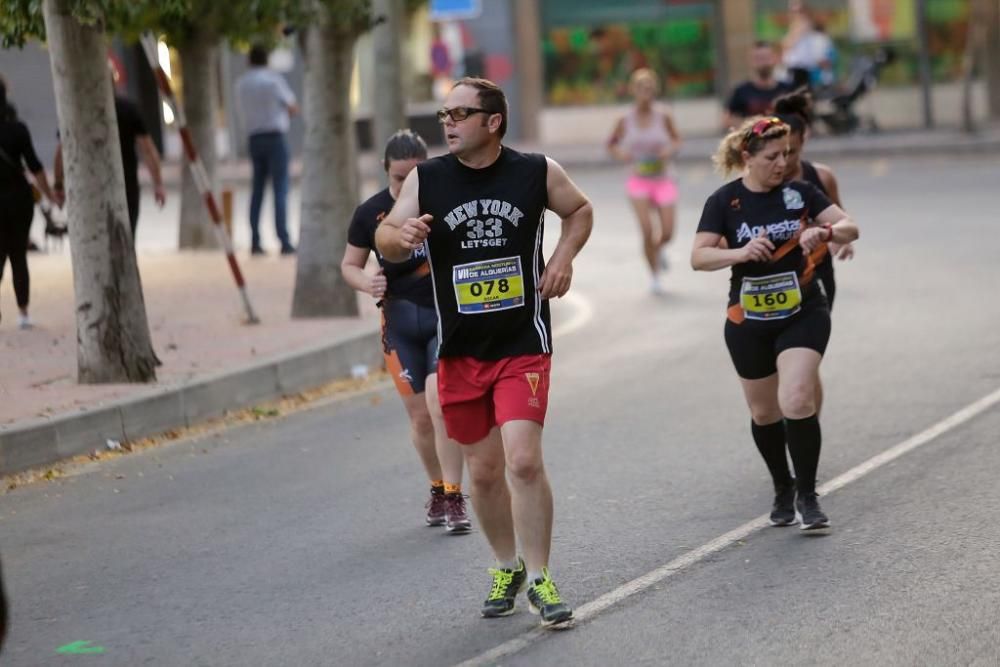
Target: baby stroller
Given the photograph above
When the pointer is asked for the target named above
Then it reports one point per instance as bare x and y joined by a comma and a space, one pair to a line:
835, 105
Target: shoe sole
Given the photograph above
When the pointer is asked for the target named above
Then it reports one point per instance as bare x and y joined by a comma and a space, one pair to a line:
822, 525
784, 524
459, 529
434, 523
502, 614
563, 623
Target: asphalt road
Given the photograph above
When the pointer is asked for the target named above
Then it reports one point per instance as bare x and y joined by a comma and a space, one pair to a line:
299, 540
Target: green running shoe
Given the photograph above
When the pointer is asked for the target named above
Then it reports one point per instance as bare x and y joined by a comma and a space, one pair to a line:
507, 584
544, 599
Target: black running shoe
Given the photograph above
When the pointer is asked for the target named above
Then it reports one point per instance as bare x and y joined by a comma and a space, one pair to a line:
783, 511
544, 599
809, 512
507, 584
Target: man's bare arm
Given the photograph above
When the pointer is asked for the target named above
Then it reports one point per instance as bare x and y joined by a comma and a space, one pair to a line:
404, 229
569, 203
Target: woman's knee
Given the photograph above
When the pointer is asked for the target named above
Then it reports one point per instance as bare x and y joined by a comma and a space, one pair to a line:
797, 399
422, 424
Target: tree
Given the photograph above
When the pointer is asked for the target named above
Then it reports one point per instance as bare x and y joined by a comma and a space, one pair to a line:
196, 28
113, 340
389, 114
329, 169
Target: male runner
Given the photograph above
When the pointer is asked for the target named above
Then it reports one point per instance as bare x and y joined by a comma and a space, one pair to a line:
480, 211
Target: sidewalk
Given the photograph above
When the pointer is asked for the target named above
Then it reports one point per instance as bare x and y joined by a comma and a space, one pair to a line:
211, 361
697, 149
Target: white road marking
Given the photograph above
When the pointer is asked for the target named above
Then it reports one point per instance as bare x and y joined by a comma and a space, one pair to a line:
582, 313
646, 581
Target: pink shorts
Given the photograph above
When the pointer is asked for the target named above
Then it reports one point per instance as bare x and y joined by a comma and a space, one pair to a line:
661, 190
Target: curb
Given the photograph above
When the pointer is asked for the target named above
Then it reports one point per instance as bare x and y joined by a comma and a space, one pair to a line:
46, 441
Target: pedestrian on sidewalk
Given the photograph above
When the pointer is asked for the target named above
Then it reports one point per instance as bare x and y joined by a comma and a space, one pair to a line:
17, 201
132, 135
646, 139
480, 210
755, 95
409, 334
266, 104
778, 320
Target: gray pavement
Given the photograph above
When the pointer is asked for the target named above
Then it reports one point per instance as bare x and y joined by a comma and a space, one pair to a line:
299, 541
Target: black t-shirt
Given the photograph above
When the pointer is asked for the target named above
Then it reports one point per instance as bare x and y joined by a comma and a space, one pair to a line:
739, 215
130, 128
18, 152
485, 251
410, 280
750, 100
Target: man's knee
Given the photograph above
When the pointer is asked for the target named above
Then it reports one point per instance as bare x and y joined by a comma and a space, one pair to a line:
525, 465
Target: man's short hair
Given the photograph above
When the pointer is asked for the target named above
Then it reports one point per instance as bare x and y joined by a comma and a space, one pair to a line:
258, 55
491, 98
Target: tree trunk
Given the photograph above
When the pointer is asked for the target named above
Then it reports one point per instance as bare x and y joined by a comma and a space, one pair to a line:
329, 174
390, 110
991, 57
113, 341
199, 58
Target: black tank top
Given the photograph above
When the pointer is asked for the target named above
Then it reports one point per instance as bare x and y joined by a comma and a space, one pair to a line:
485, 252
823, 258
811, 175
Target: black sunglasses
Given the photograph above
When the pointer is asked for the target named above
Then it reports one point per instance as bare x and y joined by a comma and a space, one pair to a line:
460, 113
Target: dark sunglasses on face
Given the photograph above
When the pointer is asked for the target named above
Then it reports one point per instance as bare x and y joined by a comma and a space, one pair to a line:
460, 113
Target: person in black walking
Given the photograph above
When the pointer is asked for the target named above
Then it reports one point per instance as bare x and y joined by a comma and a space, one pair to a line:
135, 140
17, 200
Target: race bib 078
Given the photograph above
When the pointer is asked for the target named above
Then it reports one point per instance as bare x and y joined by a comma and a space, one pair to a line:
490, 285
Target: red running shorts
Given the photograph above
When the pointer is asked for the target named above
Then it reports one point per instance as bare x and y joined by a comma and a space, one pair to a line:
478, 395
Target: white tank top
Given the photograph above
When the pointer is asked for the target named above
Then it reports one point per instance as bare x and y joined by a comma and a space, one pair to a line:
646, 143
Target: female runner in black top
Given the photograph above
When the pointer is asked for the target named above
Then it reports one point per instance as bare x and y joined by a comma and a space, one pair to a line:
778, 321
795, 110
409, 334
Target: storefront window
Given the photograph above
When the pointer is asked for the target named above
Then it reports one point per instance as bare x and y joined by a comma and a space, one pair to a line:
592, 46
858, 27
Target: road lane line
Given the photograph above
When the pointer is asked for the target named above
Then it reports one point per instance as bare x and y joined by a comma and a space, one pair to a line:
582, 313
589, 610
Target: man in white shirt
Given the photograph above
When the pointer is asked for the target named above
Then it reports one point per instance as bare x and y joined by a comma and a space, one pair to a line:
266, 103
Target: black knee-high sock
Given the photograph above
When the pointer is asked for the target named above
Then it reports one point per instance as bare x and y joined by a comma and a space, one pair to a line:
804, 440
770, 439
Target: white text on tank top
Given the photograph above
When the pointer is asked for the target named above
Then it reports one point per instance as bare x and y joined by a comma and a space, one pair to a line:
645, 143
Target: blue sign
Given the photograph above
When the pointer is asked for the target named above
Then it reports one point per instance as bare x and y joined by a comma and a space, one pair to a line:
455, 10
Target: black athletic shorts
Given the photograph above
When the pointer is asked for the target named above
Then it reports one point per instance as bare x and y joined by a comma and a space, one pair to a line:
409, 342
754, 347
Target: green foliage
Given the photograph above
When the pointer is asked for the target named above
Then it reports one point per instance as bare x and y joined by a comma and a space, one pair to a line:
240, 21
21, 20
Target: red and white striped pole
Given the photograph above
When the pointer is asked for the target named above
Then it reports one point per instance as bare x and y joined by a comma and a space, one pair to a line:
149, 45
